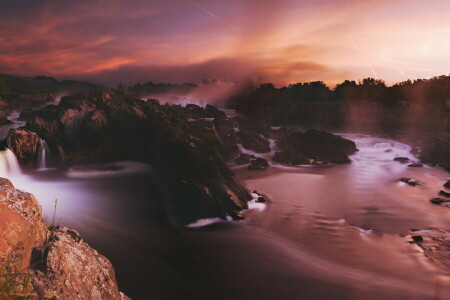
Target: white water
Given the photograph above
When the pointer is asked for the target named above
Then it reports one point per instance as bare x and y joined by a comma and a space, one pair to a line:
9, 166
43, 155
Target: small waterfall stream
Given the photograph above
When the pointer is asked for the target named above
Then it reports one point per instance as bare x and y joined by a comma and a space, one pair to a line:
43, 155
9, 166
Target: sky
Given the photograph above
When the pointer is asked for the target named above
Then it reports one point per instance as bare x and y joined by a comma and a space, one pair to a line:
278, 41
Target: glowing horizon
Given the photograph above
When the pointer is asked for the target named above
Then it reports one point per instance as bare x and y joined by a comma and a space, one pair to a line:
187, 40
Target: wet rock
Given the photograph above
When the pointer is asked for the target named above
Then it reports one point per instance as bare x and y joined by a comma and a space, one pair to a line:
242, 159
417, 238
316, 145
410, 181
447, 185
236, 216
439, 201
258, 164
254, 141
415, 165
290, 156
24, 144
443, 193
388, 150
401, 159
189, 156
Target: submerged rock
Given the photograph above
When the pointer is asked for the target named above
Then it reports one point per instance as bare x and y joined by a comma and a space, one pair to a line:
258, 164
439, 201
401, 159
410, 181
415, 165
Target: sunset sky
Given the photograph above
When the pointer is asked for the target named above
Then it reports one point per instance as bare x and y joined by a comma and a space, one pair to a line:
283, 41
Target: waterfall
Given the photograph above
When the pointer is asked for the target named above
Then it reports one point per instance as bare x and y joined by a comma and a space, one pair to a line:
9, 166
43, 155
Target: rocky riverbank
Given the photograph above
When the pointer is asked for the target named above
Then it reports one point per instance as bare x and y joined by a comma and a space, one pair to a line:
41, 262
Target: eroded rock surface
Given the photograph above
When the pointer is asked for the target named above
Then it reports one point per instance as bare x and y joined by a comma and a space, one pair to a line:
24, 144
59, 263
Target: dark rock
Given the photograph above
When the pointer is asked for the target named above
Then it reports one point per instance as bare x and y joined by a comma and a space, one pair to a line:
24, 144
417, 238
224, 127
410, 181
258, 164
403, 160
443, 193
243, 159
388, 150
436, 152
447, 185
415, 165
438, 201
291, 157
254, 141
299, 148
111, 126
236, 216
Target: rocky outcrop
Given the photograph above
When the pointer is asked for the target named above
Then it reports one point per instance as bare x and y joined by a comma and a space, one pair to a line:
110, 126
24, 144
314, 146
254, 141
22, 227
224, 127
58, 263
86, 274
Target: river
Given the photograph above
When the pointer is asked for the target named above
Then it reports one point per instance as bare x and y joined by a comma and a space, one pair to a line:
329, 231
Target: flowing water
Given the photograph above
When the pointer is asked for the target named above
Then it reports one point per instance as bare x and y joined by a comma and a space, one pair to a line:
330, 232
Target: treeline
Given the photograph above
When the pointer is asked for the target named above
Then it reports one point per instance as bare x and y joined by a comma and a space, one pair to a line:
368, 104
12, 87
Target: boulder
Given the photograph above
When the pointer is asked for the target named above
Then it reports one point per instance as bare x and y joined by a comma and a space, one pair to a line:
68, 268
290, 156
258, 164
410, 181
314, 145
24, 144
401, 159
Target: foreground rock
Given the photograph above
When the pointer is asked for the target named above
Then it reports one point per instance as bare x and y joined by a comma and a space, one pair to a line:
59, 263
86, 273
314, 145
24, 144
111, 126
